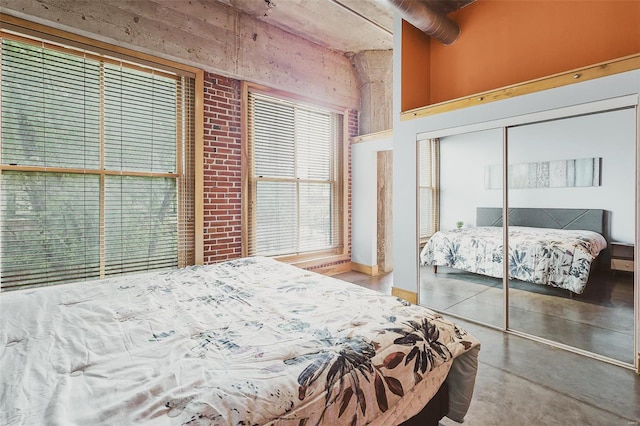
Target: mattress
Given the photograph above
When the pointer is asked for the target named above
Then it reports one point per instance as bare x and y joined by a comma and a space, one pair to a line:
251, 341
556, 257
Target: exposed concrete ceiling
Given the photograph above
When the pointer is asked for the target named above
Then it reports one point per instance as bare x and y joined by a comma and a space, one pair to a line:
343, 25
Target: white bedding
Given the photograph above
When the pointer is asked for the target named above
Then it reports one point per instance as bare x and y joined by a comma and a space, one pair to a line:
251, 341
556, 257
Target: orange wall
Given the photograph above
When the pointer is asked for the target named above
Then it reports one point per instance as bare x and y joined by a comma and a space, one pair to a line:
415, 67
503, 42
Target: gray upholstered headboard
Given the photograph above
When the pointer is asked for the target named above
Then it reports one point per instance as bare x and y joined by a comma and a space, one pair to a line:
586, 219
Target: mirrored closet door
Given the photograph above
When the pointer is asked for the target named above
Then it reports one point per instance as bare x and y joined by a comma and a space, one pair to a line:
562, 269
571, 199
456, 275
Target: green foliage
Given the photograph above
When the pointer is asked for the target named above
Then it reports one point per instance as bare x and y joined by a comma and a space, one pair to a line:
56, 107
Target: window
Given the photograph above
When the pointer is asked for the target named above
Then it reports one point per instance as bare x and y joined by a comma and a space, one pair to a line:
429, 187
97, 165
295, 179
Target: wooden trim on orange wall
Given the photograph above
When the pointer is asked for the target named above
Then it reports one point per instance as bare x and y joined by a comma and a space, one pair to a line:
508, 42
628, 63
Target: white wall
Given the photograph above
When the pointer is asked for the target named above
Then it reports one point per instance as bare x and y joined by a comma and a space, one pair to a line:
364, 199
609, 135
405, 231
462, 162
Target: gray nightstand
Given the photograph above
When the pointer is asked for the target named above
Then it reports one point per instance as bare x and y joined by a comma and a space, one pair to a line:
622, 257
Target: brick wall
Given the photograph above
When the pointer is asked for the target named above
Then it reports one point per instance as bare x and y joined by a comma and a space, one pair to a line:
223, 169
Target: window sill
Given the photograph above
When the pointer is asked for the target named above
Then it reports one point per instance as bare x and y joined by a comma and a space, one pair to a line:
321, 264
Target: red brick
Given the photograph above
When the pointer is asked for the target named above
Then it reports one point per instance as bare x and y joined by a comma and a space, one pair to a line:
223, 170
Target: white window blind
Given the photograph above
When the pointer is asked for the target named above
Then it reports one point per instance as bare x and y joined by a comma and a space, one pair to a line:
295, 180
96, 170
429, 186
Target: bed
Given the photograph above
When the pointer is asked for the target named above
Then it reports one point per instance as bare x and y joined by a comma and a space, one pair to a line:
554, 247
250, 341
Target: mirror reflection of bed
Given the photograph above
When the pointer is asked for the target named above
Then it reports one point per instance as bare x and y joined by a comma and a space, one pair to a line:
602, 324
594, 310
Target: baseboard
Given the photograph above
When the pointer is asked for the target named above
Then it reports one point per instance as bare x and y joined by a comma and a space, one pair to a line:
409, 296
365, 269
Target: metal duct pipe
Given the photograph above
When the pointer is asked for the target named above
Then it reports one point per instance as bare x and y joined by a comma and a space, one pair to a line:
422, 16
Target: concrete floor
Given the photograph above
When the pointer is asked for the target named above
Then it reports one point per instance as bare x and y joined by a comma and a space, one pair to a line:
600, 320
524, 382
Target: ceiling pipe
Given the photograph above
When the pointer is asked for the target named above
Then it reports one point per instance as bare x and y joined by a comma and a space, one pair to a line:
419, 14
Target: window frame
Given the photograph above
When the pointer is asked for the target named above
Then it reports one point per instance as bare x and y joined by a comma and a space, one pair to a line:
25, 31
433, 148
315, 258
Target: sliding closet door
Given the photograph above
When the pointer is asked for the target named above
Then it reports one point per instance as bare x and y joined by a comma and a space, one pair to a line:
574, 285
459, 177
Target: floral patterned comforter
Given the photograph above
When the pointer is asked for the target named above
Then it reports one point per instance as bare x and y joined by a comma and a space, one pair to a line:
246, 342
555, 257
